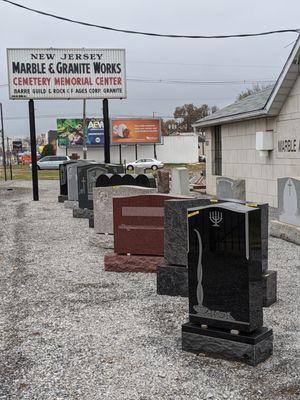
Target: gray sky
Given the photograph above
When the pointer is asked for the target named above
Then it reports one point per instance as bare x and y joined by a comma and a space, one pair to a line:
258, 58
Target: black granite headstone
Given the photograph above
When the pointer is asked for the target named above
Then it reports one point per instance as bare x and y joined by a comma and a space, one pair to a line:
63, 181
103, 180
225, 281
128, 179
115, 180
145, 181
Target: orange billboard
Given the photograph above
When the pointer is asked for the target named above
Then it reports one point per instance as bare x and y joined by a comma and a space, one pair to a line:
140, 130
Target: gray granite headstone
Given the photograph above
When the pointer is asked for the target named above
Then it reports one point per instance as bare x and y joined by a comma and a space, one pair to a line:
103, 204
228, 188
175, 229
72, 179
289, 200
180, 181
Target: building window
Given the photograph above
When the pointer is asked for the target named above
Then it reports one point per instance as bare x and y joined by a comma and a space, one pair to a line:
217, 150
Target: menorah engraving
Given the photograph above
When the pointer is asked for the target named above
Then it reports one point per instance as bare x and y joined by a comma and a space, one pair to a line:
216, 218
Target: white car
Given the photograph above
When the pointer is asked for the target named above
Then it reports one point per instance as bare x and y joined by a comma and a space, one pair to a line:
145, 163
51, 162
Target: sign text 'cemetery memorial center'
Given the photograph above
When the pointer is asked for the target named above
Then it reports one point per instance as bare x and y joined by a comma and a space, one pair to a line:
66, 73
257, 139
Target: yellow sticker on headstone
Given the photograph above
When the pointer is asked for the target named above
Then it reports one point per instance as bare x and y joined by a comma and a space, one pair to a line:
193, 214
251, 204
214, 200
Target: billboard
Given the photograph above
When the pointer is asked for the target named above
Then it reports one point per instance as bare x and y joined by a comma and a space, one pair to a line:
66, 73
70, 132
139, 130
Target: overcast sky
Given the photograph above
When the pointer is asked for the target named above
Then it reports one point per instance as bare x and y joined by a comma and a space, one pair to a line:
258, 58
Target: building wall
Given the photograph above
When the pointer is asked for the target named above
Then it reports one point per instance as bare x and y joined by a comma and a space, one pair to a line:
175, 149
241, 160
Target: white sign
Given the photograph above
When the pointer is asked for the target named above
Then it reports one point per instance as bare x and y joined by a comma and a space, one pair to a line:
66, 73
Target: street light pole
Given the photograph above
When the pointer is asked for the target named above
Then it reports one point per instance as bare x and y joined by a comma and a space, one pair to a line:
3, 144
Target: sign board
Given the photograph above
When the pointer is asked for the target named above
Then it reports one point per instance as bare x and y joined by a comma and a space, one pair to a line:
70, 132
132, 131
66, 73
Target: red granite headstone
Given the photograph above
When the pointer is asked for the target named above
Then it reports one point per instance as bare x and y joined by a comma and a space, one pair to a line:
139, 224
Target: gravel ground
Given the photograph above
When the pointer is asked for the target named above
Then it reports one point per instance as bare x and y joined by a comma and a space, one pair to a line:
69, 330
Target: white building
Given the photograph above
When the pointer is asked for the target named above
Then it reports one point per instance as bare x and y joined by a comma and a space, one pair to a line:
268, 121
179, 149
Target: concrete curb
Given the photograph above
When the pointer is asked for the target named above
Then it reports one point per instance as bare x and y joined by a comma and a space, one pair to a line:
290, 233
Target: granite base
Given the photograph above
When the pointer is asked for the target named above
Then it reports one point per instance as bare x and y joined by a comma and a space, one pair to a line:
281, 230
172, 280
269, 288
82, 213
62, 197
131, 263
251, 348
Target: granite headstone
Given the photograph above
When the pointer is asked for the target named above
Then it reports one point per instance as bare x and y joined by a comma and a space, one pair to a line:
139, 224
103, 204
228, 188
225, 284
163, 181
289, 200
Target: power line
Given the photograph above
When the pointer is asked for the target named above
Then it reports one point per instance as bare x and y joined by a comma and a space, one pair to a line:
240, 35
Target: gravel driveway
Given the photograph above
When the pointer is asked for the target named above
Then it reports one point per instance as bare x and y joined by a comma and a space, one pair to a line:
70, 330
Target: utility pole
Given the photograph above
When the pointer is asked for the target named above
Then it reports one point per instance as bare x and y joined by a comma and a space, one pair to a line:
3, 144
84, 148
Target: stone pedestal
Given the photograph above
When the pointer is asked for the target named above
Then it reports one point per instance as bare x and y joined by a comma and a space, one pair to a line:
82, 213
269, 288
131, 263
172, 280
180, 181
290, 233
163, 181
250, 348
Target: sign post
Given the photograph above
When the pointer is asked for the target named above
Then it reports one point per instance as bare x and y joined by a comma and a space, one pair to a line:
3, 145
34, 171
106, 132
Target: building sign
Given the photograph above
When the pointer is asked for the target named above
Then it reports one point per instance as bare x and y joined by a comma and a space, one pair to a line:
66, 73
70, 132
289, 145
130, 131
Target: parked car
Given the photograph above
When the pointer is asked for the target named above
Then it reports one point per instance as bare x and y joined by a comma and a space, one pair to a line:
51, 162
145, 163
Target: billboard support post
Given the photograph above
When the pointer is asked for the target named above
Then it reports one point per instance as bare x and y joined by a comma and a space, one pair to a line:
34, 171
154, 151
106, 132
136, 152
3, 144
84, 149
120, 153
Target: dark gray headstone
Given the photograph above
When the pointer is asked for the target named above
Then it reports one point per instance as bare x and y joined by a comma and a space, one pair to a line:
289, 200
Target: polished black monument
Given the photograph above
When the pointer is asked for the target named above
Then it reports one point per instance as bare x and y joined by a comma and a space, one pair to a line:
225, 284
